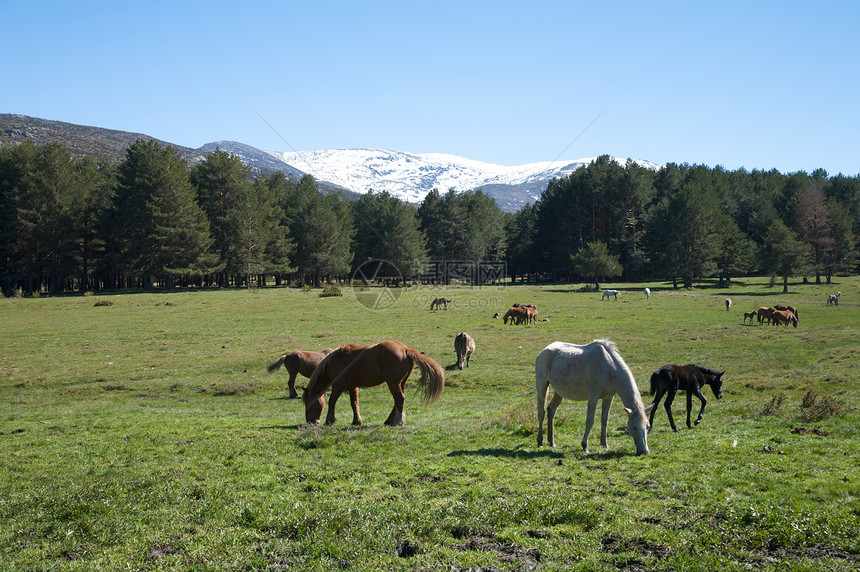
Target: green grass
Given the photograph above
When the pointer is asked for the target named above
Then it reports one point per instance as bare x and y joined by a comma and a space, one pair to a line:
146, 435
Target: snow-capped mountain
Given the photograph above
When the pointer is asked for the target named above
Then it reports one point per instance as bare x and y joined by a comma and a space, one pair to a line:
410, 176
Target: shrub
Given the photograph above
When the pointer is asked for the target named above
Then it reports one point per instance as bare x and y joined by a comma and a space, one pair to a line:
773, 405
330, 291
815, 408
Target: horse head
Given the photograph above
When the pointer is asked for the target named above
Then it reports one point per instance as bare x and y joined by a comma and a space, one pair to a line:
716, 384
638, 428
313, 409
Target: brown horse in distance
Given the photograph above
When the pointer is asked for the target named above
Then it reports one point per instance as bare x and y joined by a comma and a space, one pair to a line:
299, 362
351, 367
787, 308
783, 317
464, 345
764, 313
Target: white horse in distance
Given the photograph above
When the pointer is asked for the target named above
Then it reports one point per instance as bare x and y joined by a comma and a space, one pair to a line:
609, 293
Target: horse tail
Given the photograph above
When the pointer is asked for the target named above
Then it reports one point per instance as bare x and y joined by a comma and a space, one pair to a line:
274, 367
655, 382
432, 379
316, 387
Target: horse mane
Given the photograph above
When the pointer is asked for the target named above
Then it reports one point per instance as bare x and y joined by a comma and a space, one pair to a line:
706, 370
622, 365
312, 392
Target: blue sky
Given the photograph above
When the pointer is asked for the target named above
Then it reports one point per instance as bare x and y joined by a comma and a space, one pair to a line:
759, 85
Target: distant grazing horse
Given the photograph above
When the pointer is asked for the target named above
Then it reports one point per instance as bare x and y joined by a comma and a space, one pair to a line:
783, 317
350, 367
589, 373
787, 308
518, 314
298, 362
609, 293
751, 315
647, 293
833, 299
764, 313
669, 379
464, 345
437, 303
728, 304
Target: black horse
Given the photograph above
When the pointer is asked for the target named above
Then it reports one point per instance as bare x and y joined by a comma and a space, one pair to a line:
690, 378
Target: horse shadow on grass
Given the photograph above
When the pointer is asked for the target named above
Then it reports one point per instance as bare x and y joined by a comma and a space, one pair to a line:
510, 453
537, 454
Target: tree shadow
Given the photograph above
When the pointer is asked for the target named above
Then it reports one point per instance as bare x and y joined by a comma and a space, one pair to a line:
282, 427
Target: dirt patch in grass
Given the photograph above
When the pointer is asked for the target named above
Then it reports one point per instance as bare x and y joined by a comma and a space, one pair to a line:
819, 552
527, 558
614, 544
805, 431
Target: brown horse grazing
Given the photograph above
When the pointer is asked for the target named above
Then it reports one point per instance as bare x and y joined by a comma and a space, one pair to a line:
690, 378
350, 367
787, 308
751, 315
783, 317
438, 303
764, 313
299, 362
464, 345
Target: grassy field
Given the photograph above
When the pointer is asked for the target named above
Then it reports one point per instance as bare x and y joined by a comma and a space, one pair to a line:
141, 432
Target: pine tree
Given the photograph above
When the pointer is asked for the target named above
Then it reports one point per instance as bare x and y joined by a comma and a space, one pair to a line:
166, 233
388, 229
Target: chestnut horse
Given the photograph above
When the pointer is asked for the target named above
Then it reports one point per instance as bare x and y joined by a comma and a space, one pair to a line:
783, 317
764, 313
787, 308
690, 378
350, 367
298, 362
751, 315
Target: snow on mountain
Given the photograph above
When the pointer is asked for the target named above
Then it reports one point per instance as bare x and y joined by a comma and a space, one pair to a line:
410, 176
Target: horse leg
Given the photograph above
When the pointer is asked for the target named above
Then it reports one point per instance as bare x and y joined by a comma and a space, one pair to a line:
396, 387
670, 397
689, 406
292, 384
604, 421
353, 401
655, 405
550, 415
541, 388
704, 401
589, 420
335, 393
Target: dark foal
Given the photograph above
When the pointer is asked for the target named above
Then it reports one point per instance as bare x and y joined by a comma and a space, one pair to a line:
669, 379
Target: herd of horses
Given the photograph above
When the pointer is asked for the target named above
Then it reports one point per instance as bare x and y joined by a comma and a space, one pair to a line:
776, 315
592, 372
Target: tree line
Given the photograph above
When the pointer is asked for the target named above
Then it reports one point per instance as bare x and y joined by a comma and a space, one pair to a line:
153, 221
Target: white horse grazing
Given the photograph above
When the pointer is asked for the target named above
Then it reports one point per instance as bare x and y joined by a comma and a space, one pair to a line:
588, 373
609, 293
647, 293
728, 304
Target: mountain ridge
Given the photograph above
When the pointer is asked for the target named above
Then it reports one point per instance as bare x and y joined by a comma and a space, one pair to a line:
408, 176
